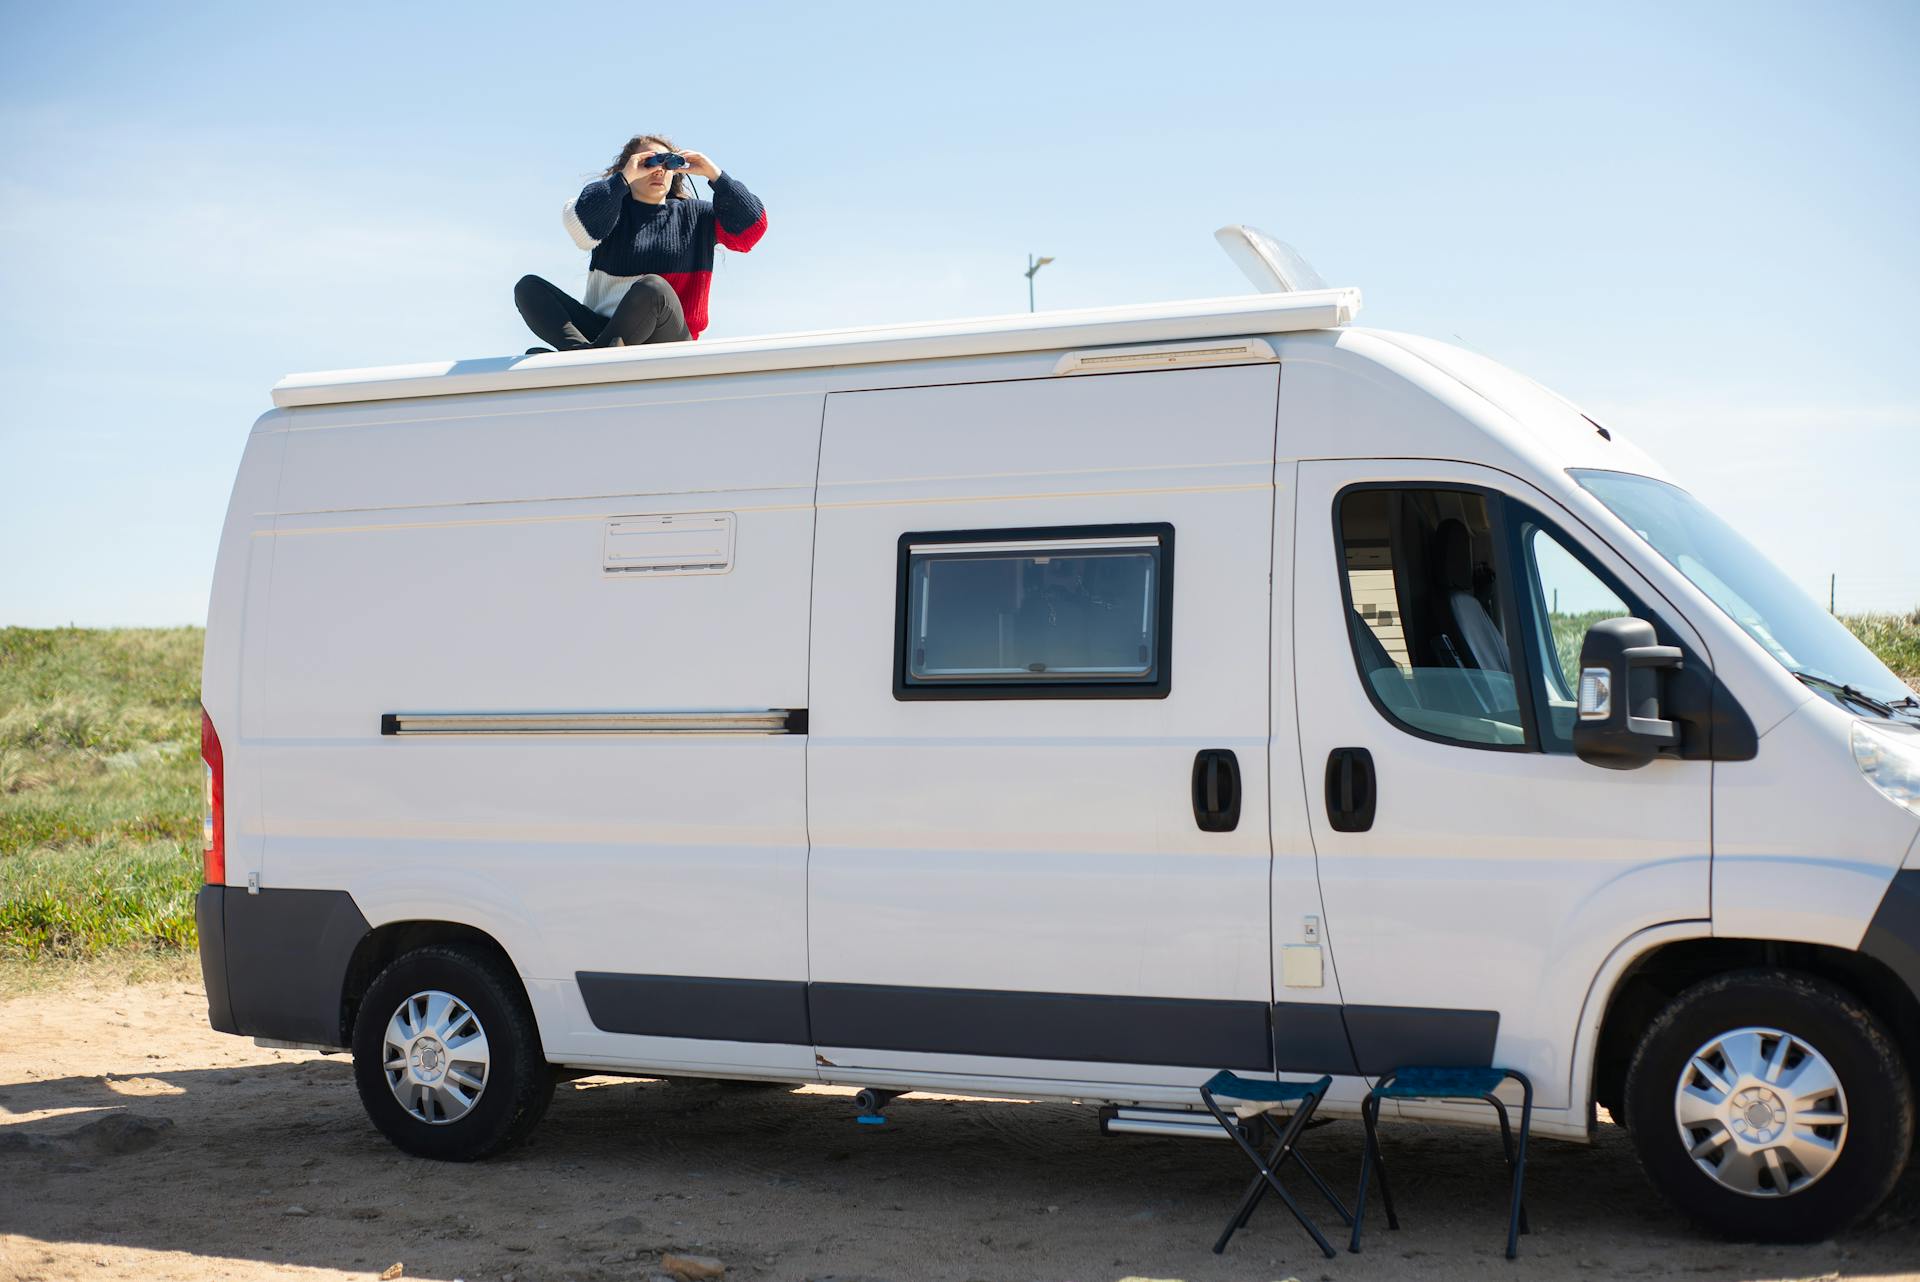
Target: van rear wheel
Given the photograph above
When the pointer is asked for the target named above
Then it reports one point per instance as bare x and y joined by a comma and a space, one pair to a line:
1770, 1106
447, 1056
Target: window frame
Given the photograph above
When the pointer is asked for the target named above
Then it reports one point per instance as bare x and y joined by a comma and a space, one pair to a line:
1538, 645
1503, 544
1508, 519
918, 689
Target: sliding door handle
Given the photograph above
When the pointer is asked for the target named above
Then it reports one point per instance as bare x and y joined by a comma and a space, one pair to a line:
1350, 789
1216, 790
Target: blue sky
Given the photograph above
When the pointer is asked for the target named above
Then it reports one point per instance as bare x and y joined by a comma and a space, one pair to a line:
1695, 220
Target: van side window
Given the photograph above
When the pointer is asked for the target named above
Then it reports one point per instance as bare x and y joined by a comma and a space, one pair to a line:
1431, 619
1565, 597
1065, 612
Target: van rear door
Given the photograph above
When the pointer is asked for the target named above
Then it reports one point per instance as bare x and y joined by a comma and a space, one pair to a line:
1037, 783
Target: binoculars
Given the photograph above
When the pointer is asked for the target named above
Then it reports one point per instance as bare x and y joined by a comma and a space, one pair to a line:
665, 160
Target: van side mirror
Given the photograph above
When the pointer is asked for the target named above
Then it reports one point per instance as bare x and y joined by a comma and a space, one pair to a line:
1617, 723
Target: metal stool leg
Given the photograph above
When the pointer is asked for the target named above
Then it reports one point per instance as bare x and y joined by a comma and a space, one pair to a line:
1380, 1169
1258, 1189
1268, 1167
1255, 1190
1371, 1162
1506, 1144
1276, 1159
1516, 1223
1326, 1191
1242, 1213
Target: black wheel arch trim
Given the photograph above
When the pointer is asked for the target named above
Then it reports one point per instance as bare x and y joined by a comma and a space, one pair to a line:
1893, 936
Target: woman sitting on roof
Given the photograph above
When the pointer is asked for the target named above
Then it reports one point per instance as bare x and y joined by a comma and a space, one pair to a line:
652, 245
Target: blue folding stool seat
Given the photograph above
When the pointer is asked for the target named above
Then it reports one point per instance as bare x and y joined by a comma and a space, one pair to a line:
1250, 1098
1445, 1084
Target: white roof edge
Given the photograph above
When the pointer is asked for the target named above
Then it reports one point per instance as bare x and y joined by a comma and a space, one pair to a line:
981, 336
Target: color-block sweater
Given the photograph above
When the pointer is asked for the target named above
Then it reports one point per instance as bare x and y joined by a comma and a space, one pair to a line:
674, 240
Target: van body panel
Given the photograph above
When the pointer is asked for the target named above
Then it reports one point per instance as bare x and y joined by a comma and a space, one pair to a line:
545, 446
1568, 437
1600, 994
233, 667
1391, 403
1042, 849
1489, 880
1804, 848
1309, 1030
1375, 395
439, 564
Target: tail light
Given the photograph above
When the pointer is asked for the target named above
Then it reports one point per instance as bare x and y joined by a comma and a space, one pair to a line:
216, 814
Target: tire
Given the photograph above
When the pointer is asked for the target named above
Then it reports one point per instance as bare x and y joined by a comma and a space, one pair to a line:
1833, 1175
473, 987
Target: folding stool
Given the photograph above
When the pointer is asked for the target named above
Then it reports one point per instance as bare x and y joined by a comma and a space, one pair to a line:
1443, 1084
1250, 1098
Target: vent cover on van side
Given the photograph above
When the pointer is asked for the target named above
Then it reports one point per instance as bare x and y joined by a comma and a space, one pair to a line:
1113, 360
681, 543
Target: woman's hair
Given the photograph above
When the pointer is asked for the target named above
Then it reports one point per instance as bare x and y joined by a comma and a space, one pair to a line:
681, 188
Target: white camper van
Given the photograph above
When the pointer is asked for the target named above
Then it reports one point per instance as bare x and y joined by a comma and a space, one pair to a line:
1069, 706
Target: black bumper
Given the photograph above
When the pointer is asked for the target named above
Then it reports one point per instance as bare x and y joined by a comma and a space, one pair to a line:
275, 963
1893, 937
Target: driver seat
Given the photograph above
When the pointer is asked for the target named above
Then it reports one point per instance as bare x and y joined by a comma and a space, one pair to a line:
1468, 621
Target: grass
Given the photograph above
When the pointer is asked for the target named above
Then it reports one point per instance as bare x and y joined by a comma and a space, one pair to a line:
100, 790
1895, 638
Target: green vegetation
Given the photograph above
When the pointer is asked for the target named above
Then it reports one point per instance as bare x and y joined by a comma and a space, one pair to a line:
1569, 633
100, 790
100, 783
1895, 638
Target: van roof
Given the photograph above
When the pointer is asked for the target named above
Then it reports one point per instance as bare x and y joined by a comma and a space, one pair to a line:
1203, 318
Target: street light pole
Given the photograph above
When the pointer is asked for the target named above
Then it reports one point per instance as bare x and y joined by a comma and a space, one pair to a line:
1032, 267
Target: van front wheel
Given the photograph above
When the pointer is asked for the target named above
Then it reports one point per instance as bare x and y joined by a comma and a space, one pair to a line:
1770, 1106
447, 1056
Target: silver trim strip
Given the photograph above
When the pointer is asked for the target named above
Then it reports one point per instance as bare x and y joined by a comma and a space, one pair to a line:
771, 721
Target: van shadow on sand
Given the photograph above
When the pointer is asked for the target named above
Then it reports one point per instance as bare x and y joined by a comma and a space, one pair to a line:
277, 1164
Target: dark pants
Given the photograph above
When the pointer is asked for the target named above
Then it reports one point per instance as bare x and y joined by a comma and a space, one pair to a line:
649, 312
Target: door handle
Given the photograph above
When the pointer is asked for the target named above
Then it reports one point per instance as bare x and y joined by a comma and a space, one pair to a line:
1350, 789
1216, 790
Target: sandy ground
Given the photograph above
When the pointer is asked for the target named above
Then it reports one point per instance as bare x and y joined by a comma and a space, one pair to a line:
137, 1143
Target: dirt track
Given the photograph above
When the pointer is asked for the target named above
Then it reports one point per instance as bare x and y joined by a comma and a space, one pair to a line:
136, 1143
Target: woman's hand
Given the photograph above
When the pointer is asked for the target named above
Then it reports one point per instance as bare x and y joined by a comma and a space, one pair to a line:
697, 163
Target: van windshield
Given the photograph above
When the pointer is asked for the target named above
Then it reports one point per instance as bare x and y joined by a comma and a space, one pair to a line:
1791, 627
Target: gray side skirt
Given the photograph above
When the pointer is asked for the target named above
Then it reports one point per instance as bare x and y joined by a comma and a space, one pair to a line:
1073, 1027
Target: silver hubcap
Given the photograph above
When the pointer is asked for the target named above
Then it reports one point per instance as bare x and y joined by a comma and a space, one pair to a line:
1761, 1111
435, 1057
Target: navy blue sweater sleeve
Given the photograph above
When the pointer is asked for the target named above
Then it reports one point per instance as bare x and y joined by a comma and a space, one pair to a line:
740, 220
590, 216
